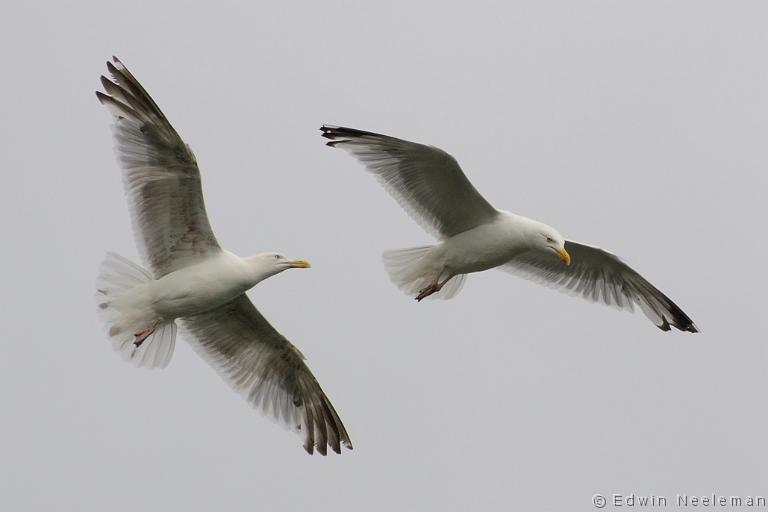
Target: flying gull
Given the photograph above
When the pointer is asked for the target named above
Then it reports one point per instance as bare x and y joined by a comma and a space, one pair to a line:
193, 280
474, 236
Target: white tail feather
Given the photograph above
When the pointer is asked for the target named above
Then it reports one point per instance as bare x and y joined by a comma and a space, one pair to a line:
123, 316
411, 271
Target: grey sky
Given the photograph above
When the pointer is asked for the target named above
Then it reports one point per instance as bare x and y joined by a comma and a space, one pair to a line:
636, 126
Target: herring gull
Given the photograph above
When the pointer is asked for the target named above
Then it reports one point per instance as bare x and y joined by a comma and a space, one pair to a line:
193, 280
474, 236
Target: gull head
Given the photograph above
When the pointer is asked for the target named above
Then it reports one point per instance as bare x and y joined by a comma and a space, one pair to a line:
268, 264
548, 239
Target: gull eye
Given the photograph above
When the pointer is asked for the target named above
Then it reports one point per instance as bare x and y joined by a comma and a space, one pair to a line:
550, 239
277, 256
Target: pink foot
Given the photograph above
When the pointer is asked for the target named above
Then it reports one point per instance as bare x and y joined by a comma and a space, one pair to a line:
142, 335
426, 292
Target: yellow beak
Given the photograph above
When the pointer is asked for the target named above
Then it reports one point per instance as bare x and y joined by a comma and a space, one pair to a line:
564, 256
299, 264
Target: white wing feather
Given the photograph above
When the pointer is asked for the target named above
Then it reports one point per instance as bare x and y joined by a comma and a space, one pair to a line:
598, 275
426, 181
160, 176
267, 370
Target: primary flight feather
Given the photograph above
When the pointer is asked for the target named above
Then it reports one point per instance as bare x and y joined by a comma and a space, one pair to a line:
193, 280
474, 236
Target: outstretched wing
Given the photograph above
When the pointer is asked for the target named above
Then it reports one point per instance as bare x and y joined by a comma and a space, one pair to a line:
160, 177
268, 370
426, 181
598, 275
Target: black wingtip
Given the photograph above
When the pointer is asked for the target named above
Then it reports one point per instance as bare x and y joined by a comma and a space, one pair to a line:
112, 69
674, 316
118, 63
335, 132
683, 322
323, 449
327, 131
684, 326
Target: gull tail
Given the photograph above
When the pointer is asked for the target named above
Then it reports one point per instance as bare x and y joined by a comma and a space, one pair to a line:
126, 313
412, 270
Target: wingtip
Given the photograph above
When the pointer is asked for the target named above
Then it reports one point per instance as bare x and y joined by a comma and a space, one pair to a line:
310, 447
112, 68
327, 131
684, 327
331, 132
323, 449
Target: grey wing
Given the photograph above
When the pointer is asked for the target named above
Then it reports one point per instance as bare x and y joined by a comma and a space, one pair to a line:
160, 176
598, 275
426, 181
268, 370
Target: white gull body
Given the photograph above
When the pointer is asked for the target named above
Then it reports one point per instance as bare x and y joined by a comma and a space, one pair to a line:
193, 281
195, 289
473, 236
483, 247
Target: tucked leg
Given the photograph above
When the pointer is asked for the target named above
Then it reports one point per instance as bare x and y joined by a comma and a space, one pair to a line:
426, 292
142, 335
433, 288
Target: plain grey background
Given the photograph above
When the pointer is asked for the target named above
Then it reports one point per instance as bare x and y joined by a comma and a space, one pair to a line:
636, 126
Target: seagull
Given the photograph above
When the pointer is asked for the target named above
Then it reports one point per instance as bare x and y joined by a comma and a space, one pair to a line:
193, 281
474, 236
